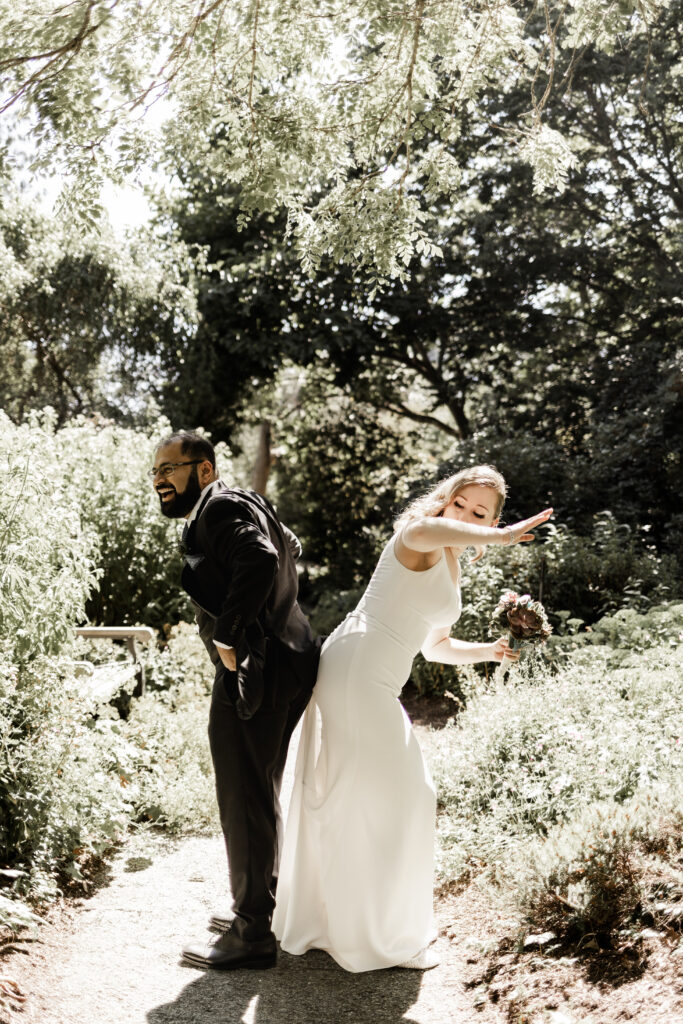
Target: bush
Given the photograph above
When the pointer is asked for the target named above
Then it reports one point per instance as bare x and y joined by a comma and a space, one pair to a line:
629, 464
182, 658
618, 636
61, 796
171, 770
331, 607
47, 555
57, 797
162, 752
530, 753
593, 874
72, 775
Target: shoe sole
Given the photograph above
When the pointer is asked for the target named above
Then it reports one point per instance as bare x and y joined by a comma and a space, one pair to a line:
255, 964
220, 924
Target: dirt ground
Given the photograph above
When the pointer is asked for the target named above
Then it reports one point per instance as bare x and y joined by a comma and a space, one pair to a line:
641, 982
113, 958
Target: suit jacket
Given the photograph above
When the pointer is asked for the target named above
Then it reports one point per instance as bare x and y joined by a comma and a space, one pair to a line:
240, 572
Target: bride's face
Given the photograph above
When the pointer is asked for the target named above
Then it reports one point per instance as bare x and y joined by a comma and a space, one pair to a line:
473, 504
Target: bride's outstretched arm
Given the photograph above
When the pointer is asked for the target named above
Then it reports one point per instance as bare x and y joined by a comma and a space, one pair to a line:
439, 646
431, 532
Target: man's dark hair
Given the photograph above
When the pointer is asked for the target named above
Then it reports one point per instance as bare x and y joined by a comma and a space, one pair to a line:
194, 445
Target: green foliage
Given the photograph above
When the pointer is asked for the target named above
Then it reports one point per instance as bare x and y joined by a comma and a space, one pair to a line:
171, 770
74, 777
332, 607
431, 679
181, 657
61, 796
82, 316
162, 750
58, 798
14, 915
75, 505
72, 782
618, 636
48, 566
340, 480
544, 762
593, 874
279, 101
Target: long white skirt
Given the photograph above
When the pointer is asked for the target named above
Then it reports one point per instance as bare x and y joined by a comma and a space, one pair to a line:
357, 867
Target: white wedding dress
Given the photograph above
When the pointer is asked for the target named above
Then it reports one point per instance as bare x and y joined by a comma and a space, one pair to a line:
356, 873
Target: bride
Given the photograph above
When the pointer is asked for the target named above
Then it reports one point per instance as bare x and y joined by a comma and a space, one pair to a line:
356, 873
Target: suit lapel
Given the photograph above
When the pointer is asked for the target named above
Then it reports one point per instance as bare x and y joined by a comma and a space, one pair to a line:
190, 530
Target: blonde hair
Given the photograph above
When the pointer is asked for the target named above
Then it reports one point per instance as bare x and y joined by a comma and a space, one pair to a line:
435, 501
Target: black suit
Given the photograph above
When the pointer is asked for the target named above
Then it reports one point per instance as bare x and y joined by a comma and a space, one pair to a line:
241, 575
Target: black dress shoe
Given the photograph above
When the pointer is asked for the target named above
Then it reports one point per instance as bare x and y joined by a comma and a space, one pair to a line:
221, 922
231, 953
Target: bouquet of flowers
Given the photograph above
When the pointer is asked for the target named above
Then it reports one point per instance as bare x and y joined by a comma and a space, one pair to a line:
524, 620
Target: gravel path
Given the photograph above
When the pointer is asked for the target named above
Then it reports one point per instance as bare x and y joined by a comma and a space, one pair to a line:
114, 959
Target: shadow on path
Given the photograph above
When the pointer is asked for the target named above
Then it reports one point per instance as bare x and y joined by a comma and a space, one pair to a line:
310, 989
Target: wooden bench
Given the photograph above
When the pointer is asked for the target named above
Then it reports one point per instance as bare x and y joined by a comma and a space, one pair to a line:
105, 681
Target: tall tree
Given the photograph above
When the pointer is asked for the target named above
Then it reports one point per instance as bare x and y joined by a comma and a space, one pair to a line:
556, 321
83, 317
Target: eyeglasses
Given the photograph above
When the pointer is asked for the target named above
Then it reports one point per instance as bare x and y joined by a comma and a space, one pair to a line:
167, 469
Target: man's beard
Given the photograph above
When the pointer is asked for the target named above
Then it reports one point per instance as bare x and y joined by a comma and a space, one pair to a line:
180, 504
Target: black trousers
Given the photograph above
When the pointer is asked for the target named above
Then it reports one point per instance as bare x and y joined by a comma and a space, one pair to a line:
249, 760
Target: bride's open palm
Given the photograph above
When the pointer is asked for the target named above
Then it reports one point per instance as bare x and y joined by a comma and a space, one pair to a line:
521, 532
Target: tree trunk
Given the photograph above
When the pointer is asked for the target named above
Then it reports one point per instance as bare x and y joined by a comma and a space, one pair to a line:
264, 459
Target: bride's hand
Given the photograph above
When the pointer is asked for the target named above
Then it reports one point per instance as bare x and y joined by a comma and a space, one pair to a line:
501, 650
520, 533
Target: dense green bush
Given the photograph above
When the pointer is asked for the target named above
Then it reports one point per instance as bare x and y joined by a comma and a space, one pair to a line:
171, 768
331, 608
181, 657
603, 868
46, 553
629, 464
529, 756
75, 505
61, 794
56, 795
161, 749
618, 635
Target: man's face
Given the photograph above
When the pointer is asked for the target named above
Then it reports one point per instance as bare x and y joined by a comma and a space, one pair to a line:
179, 491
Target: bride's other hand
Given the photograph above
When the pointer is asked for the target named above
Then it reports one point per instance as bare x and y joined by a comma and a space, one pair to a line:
520, 532
501, 649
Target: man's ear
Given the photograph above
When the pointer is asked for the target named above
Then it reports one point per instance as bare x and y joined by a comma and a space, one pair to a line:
205, 472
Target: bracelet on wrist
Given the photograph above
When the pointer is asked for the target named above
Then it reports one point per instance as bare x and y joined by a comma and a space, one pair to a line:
511, 536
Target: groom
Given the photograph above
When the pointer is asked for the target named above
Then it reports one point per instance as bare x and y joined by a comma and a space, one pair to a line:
241, 575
